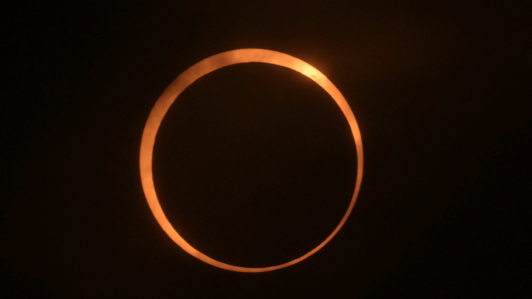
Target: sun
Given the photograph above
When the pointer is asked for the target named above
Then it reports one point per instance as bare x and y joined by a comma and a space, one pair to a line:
188, 77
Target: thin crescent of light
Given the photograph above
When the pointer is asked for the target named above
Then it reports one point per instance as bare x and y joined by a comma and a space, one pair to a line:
197, 71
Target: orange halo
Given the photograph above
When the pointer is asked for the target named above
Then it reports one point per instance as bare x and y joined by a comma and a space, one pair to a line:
188, 77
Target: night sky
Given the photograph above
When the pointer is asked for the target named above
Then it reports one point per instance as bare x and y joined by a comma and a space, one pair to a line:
254, 164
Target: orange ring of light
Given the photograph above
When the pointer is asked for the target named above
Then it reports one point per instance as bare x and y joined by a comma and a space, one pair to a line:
188, 77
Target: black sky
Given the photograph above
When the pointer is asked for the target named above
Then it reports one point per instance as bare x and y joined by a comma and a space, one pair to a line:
255, 163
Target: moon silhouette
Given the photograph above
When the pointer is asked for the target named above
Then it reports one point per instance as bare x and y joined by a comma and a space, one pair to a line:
187, 78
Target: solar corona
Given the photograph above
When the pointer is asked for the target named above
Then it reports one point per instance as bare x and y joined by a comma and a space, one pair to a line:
188, 77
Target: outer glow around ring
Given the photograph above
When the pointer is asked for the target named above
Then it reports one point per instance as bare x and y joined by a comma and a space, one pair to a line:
197, 71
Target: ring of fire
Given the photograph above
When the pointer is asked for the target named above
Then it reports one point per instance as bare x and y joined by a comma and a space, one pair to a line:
187, 78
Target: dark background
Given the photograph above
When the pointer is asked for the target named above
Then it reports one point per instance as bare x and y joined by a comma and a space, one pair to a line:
254, 164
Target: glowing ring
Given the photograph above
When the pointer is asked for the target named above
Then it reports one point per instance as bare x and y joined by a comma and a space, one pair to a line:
188, 77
